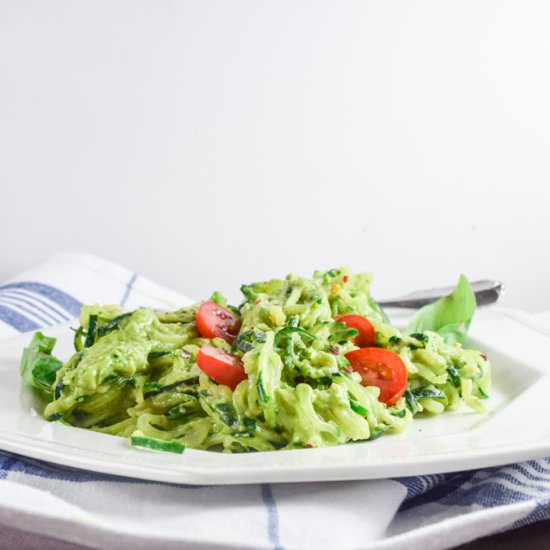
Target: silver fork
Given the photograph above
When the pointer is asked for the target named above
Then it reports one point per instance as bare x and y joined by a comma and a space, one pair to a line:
487, 292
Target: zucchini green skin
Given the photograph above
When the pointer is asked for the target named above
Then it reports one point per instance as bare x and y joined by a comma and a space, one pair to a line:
157, 444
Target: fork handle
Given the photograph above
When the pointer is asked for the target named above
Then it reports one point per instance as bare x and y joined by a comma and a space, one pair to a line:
486, 292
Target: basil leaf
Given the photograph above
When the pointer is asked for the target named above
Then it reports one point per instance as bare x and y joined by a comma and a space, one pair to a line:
45, 370
449, 316
38, 366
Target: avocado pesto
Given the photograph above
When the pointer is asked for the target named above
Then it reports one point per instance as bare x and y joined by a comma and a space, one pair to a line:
302, 362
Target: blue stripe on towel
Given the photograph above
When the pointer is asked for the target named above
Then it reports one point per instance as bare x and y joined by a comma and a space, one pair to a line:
30, 304
30, 466
66, 301
272, 517
6, 463
488, 487
42, 319
16, 320
38, 302
128, 289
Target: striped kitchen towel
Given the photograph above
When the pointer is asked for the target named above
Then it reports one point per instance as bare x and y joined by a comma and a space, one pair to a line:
54, 292
44, 506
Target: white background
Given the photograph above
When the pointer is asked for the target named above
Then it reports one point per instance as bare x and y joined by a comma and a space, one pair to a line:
209, 143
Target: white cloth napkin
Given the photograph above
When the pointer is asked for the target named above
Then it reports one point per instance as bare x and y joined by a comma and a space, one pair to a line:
46, 506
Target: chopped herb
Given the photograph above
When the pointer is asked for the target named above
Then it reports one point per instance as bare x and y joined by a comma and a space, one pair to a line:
181, 410
91, 334
480, 371
248, 292
422, 393
324, 381
293, 321
287, 331
58, 390
378, 431
228, 413
247, 340
151, 387
77, 340
157, 354
357, 407
79, 416
112, 324
482, 392
454, 376
250, 424
262, 393
342, 334
226, 407
421, 337
395, 340
413, 405
343, 362
218, 298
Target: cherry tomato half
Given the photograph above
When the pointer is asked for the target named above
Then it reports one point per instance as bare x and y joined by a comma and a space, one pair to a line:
214, 321
381, 368
223, 367
367, 335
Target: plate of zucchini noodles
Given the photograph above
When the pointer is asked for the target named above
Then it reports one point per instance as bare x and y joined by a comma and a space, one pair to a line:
306, 379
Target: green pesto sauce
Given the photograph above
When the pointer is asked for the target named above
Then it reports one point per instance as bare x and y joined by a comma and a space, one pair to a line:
121, 353
136, 374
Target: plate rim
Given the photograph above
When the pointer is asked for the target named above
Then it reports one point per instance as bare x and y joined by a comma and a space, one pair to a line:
272, 472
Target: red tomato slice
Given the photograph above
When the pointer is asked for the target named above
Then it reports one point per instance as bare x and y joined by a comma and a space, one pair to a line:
214, 321
222, 367
367, 335
381, 368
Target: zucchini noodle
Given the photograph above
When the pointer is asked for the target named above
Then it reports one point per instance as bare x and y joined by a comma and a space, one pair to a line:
135, 374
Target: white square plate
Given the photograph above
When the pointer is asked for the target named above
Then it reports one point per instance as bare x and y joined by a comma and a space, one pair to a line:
513, 429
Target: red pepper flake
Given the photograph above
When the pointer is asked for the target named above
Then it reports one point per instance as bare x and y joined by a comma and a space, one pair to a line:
484, 356
345, 278
308, 446
348, 368
334, 351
